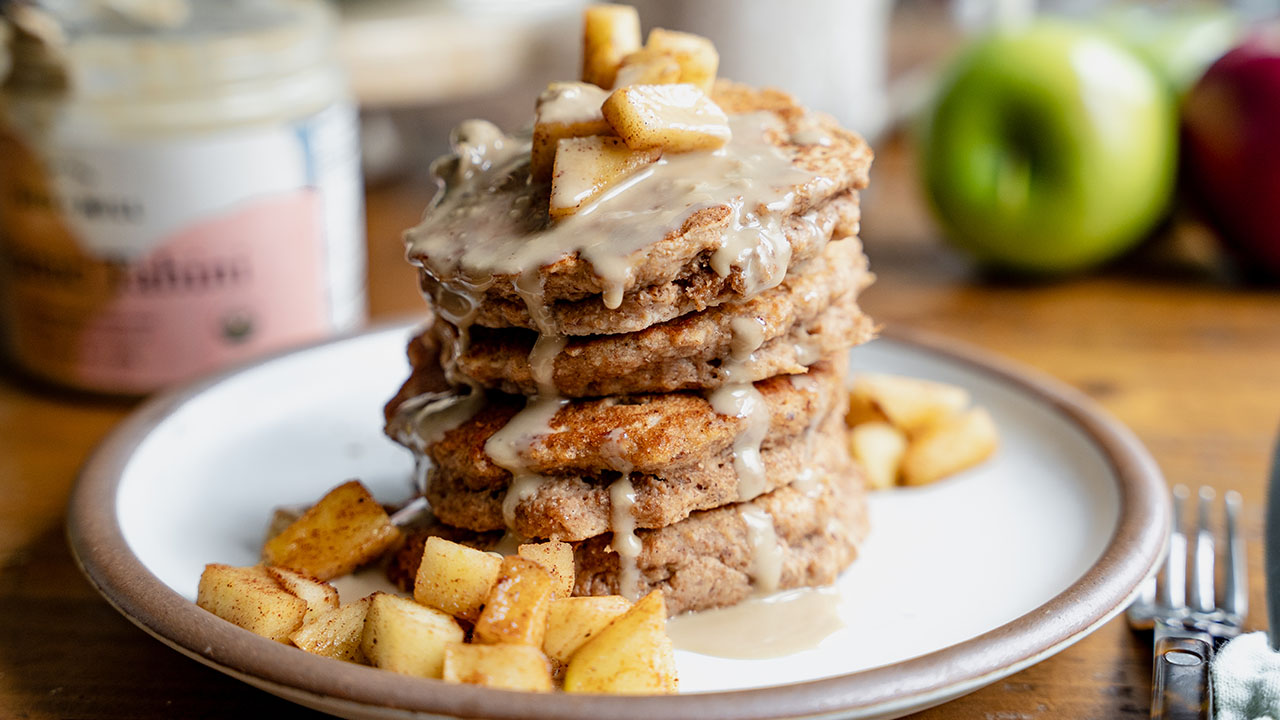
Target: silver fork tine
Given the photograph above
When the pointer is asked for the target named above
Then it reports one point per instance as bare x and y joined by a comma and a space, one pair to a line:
1202, 599
1173, 591
1235, 600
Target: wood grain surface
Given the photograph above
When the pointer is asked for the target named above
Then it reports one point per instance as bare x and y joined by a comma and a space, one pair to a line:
1168, 341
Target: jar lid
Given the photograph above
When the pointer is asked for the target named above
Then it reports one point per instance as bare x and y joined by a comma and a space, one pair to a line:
127, 48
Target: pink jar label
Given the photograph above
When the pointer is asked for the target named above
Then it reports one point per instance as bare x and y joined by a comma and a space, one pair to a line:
125, 268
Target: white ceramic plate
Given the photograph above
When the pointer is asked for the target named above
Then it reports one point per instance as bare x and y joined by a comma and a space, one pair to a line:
959, 584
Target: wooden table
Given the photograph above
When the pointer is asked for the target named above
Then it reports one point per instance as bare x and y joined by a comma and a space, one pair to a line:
1185, 357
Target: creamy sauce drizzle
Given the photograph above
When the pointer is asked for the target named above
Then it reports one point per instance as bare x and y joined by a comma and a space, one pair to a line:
811, 136
468, 235
806, 349
622, 498
571, 102
739, 398
780, 625
507, 446
766, 551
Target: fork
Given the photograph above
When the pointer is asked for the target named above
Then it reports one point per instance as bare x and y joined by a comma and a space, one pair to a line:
1186, 633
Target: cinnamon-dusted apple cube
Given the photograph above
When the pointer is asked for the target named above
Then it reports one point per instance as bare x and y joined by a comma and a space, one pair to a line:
455, 578
336, 633
862, 408
695, 54
346, 529
913, 404
510, 667
586, 167
949, 446
251, 598
609, 33
319, 596
572, 621
878, 447
556, 557
516, 609
675, 118
647, 67
564, 110
632, 655
404, 637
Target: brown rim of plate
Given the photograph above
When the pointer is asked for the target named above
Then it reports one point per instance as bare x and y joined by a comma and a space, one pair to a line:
1131, 554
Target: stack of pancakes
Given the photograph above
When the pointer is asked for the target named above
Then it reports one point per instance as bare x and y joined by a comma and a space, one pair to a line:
677, 417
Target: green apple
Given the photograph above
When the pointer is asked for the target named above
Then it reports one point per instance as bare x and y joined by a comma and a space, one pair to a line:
1049, 149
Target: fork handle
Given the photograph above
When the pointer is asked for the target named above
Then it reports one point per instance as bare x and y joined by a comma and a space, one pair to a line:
1180, 687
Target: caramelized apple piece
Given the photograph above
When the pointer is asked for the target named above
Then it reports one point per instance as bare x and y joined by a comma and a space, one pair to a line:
695, 54
346, 529
647, 67
878, 447
565, 110
511, 667
609, 33
676, 118
586, 167
516, 609
631, 656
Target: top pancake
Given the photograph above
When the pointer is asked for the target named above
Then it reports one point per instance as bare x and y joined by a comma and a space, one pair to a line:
486, 245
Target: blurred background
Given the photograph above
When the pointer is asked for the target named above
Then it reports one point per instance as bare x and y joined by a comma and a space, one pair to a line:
186, 184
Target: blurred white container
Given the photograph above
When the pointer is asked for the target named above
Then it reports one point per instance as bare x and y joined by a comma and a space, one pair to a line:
831, 54
179, 188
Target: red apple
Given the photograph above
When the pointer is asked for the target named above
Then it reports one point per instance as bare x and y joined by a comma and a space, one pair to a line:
1231, 135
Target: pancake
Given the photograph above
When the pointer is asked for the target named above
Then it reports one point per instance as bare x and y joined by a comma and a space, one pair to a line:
723, 224
695, 287
577, 507
707, 560
812, 314
649, 434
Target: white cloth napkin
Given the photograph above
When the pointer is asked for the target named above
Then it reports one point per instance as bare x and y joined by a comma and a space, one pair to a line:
1246, 679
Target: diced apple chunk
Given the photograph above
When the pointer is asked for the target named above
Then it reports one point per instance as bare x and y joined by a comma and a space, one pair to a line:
878, 447
609, 33
586, 167
336, 633
647, 67
695, 54
510, 667
675, 118
404, 637
455, 578
251, 598
516, 609
912, 404
556, 557
573, 621
346, 529
951, 445
632, 655
565, 110
319, 596
862, 408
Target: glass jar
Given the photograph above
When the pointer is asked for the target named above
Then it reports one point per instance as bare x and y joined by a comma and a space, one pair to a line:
179, 190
